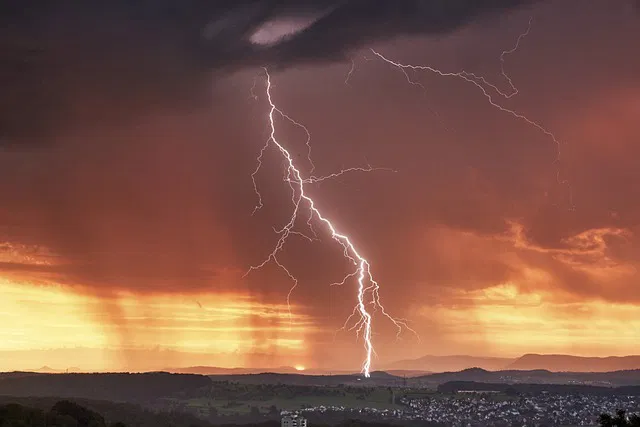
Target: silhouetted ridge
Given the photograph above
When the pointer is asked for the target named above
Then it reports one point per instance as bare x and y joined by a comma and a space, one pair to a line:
567, 363
115, 387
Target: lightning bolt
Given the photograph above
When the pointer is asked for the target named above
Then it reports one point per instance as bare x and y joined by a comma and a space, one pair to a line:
350, 72
504, 53
513, 90
368, 289
488, 90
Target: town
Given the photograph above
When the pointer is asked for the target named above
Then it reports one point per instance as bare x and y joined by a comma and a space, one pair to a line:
484, 409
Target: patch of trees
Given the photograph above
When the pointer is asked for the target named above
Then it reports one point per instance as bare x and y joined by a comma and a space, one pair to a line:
62, 414
225, 390
620, 419
66, 413
129, 414
290, 379
115, 387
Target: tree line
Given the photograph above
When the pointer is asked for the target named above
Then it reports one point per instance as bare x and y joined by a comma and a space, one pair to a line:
620, 419
63, 414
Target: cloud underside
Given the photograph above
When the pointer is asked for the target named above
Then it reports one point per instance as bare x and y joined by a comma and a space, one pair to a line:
161, 202
128, 58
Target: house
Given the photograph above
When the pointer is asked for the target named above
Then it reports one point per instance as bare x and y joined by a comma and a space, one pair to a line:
293, 420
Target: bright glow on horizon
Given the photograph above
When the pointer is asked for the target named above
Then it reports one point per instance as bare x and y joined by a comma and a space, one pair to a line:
123, 331
367, 285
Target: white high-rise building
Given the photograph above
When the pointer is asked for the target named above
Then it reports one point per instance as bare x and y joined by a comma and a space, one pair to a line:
293, 420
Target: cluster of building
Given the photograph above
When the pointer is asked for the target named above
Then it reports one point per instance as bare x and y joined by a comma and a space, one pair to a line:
543, 409
484, 410
292, 420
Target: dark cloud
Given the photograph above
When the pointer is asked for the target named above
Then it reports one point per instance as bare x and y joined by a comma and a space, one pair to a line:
68, 62
355, 23
73, 71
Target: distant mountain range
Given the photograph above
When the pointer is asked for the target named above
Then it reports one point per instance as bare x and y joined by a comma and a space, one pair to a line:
49, 370
214, 370
528, 362
435, 364
108, 385
539, 376
451, 363
427, 365
564, 363
602, 379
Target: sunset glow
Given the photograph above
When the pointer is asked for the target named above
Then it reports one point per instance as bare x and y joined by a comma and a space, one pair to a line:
177, 330
128, 183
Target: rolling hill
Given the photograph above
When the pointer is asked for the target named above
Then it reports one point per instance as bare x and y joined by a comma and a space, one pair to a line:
451, 363
566, 363
538, 376
528, 362
116, 387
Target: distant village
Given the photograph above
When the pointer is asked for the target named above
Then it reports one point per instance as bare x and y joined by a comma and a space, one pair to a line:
472, 409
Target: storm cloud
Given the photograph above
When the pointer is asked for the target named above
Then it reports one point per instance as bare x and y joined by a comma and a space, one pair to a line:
141, 56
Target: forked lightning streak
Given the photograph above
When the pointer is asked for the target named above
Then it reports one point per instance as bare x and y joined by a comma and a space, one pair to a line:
485, 88
367, 286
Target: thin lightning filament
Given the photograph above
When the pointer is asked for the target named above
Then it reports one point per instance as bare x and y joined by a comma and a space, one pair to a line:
367, 287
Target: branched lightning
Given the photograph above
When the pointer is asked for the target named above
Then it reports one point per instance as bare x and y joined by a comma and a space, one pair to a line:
513, 90
252, 91
368, 289
486, 89
350, 72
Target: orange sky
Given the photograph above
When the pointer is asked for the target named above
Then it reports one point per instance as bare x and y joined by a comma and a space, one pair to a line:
527, 313
124, 241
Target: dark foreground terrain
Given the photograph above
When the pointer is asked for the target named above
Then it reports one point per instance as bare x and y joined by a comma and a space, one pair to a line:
65, 413
473, 397
49, 411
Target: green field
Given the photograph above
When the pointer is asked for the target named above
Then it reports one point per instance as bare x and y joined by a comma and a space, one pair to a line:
230, 399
